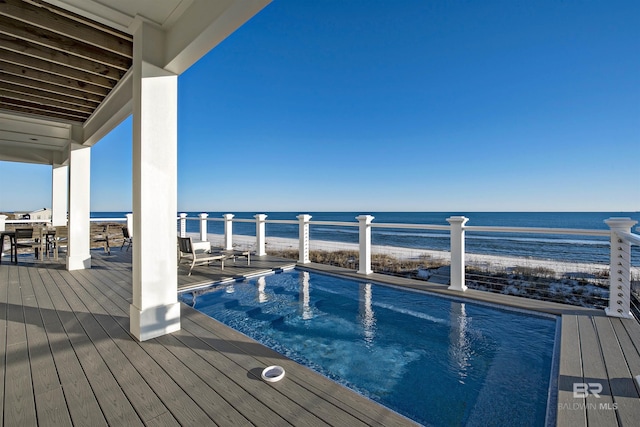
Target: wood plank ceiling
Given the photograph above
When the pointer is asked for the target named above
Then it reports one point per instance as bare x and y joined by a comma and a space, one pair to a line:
57, 64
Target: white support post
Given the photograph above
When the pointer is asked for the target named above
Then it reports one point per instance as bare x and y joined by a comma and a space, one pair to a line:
303, 239
59, 194
228, 231
260, 234
457, 253
183, 225
620, 269
154, 309
3, 219
365, 244
130, 224
79, 250
203, 227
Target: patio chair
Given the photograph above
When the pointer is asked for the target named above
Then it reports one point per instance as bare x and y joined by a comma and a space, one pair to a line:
102, 239
61, 238
187, 253
126, 238
23, 239
40, 244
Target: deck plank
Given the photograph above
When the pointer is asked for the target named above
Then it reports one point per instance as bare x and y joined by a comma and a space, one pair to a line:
81, 402
629, 346
4, 285
595, 372
623, 389
147, 405
571, 410
51, 406
20, 408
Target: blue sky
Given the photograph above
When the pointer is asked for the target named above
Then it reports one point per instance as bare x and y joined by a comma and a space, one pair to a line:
399, 105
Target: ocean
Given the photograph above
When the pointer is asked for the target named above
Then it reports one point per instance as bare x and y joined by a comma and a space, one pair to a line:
572, 248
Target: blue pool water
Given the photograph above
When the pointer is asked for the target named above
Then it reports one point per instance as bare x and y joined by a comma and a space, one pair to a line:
435, 360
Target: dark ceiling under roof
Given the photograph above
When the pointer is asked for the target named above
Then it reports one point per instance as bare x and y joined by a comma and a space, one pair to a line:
57, 64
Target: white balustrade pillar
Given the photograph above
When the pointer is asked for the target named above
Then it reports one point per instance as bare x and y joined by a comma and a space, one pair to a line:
620, 269
228, 231
59, 194
3, 219
78, 250
154, 309
203, 227
457, 253
183, 224
365, 244
130, 224
303, 239
260, 234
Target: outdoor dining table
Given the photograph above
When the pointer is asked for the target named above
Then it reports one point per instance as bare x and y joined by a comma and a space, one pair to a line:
12, 236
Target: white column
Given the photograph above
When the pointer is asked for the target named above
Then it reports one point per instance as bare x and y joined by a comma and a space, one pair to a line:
228, 231
154, 310
203, 227
130, 223
3, 218
183, 225
365, 244
260, 234
303, 239
59, 194
620, 269
457, 252
78, 250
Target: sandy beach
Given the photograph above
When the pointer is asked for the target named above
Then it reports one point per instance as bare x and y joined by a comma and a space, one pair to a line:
488, 262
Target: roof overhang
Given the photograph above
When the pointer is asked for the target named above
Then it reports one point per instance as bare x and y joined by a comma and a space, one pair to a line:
65, 65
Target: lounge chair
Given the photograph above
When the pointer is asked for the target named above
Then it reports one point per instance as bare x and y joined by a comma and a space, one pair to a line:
187, 253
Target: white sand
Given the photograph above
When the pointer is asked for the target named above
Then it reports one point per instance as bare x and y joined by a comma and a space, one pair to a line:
489, 262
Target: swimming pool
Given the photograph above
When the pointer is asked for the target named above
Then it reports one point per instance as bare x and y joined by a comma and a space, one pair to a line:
436, 360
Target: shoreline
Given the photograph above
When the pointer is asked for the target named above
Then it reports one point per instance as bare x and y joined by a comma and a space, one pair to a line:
488, 262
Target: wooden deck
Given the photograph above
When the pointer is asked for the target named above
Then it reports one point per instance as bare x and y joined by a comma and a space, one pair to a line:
70, 360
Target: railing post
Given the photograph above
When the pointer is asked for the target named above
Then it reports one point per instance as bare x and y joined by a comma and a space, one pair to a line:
228, 231
3, 218
260, 234
620, 269
183, 225
303, 239
365, 244
457, 253
203, 227
130, 224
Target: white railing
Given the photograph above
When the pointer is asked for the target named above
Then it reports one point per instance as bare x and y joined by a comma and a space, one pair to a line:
620, 236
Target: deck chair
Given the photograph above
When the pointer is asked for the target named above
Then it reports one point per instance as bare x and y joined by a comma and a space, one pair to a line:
186, 253
23, 239
60, 239
102, 239
40, 244
126, 238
